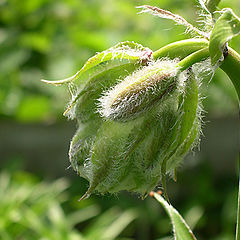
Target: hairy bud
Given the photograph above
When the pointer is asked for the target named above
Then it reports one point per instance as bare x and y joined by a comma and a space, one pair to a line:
139, 91
133, 131
136, 153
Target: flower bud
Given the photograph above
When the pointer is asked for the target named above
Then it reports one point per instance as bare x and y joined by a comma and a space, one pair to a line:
131, 155
86, 107
101, 72
139, 91
132, 131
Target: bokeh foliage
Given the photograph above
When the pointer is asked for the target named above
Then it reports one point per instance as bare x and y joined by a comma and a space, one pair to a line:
52, 39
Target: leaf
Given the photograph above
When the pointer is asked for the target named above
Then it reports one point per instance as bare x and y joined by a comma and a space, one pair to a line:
130, 51
180, 228
226, 27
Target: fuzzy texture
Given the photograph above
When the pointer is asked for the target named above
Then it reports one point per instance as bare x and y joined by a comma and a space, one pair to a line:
176, 18
135, 154
101, 72
139, 91
137, 118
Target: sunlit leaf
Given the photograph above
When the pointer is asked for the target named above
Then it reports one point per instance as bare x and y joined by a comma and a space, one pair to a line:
226, 27
130, 51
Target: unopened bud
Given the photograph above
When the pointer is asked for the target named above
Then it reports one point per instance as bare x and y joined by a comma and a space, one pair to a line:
139, 91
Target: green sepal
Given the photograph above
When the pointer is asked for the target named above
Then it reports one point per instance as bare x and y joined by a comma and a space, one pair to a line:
226, 27
81, 145
187, 127
100, 73
109, 158
130, 51
124, 153
84, 107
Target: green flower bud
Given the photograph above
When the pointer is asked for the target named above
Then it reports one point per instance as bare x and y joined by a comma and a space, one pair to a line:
85, 108
136, 153
137, 118
139, 91
123, 154
103, 71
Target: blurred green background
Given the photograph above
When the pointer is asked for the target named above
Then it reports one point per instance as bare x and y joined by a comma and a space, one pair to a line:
52, 39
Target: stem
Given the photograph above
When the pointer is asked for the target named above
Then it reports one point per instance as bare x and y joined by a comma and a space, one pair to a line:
198, 50
193, 58
231, 66
180, 49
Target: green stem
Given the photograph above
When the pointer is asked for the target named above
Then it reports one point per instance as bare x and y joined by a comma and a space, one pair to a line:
231, 66
188, 52
193, 58
180, 49
192, 51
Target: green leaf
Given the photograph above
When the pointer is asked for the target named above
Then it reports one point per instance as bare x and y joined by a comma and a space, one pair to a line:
226, 27
180, 228
130, 51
